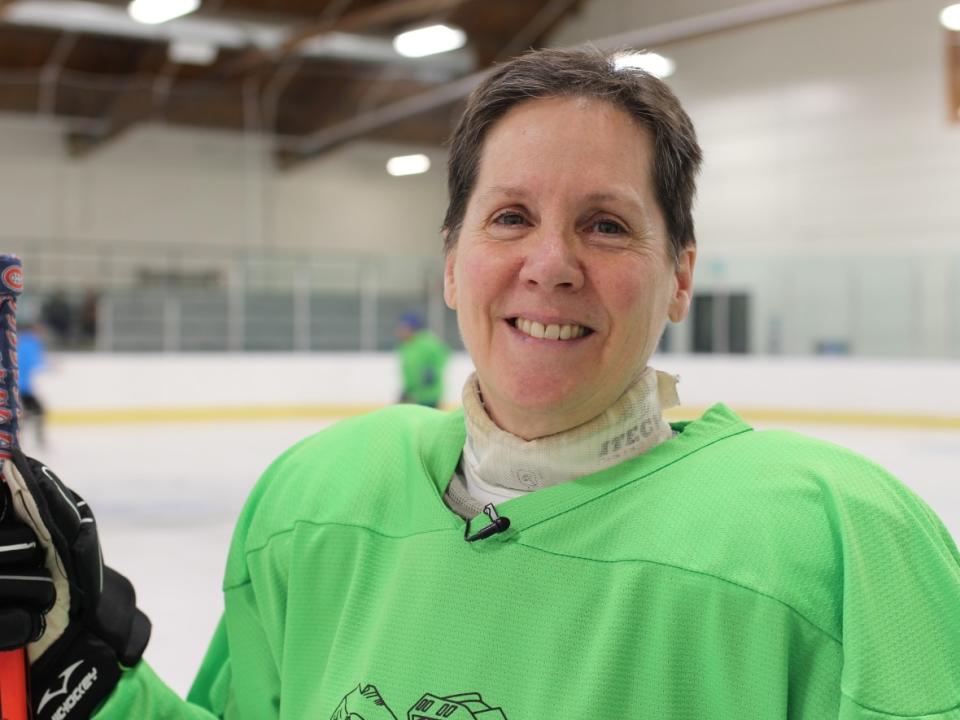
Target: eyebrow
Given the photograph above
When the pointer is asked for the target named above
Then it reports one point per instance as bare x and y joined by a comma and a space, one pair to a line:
509, 190
610, 196
518, 192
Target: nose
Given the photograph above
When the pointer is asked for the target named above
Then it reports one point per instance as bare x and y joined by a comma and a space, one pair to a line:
550, 261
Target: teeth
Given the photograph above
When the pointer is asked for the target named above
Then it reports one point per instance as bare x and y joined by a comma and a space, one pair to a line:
549, 332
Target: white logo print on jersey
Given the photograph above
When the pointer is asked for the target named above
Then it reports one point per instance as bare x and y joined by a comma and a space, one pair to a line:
78, 692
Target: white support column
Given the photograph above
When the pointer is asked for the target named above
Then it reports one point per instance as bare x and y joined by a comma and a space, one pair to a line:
104, 335
856, 334
369, 290
721, 322
236, 310
171, 323
936, 308
301, 310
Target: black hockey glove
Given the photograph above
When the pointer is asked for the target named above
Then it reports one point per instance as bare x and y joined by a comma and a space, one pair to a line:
78, 616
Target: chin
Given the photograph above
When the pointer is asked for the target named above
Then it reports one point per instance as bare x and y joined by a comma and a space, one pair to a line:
543, 394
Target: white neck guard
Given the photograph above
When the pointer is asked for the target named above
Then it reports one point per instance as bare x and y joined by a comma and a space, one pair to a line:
498, 465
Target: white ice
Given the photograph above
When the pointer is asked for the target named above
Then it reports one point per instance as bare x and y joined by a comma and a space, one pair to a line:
166, 497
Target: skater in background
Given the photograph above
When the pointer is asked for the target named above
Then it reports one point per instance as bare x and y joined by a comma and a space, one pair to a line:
423, 361
556, 548
32, 358
87, 318
58, 317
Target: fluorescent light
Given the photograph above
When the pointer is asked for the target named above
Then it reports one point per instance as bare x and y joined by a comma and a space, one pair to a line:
408, 165
429, 40
154, 12
192, 52
653, 63
950, 17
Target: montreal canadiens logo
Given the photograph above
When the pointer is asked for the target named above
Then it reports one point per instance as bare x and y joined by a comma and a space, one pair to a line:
6, 440
12, 277
5, 416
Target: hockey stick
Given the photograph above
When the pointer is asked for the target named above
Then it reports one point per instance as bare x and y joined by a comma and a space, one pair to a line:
14, 704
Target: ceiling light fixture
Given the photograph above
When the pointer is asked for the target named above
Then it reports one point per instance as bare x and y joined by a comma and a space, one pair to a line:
408, 165
653, 63
154, 12
429, 40
950, 17
191, 52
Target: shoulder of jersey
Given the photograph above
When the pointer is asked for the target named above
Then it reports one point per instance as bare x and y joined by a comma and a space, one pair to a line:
346, 471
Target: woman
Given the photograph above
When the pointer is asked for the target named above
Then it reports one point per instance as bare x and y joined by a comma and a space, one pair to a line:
620, 567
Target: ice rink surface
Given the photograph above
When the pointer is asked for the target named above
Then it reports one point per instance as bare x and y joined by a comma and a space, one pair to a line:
166, 497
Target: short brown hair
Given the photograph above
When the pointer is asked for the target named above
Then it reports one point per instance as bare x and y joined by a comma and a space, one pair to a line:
581, 73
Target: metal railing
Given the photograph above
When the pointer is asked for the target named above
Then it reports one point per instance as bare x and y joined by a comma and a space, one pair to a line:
200, 298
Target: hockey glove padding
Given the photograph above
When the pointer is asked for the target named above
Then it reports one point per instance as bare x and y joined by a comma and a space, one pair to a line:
79, 616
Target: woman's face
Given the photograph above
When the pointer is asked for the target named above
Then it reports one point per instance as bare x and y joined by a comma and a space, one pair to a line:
562, 276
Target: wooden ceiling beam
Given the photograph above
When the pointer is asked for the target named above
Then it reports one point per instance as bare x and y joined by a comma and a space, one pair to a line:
294, 153
381, 15
138, 103
50, 73
297, 151
126, 115
539, 26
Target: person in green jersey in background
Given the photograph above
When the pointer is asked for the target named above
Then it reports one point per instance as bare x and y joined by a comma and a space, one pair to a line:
555, 548
423, 360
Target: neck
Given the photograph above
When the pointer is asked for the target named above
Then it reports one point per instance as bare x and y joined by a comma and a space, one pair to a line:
496, 459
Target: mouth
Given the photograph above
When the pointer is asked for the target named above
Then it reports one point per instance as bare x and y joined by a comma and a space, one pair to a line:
552, 331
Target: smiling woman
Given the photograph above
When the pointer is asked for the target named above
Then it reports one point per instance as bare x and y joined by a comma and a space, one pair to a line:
563, 235
556, 548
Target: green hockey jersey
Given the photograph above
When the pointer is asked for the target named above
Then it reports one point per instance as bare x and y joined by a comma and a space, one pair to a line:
726, 574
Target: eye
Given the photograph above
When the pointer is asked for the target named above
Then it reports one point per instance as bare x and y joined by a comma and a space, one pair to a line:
509, 218
606, 226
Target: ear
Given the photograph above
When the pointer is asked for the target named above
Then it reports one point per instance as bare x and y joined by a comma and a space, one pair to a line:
450, 278
683, 292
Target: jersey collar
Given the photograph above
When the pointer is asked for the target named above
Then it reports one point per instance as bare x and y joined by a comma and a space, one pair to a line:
440, 460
